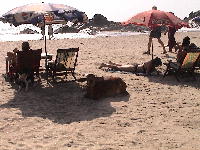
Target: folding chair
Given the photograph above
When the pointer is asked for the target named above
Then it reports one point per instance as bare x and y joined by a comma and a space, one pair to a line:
65, 63
187, 66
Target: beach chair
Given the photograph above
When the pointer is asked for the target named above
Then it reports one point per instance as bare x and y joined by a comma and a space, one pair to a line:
187, 66
36, 60
65, 63
11, 66
29, 60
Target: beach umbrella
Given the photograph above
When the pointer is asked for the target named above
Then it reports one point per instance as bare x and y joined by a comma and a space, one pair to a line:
41, 14
36, 12
176, 21
154, 17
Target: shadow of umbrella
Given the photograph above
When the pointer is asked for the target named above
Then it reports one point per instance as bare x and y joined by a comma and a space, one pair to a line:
63, 103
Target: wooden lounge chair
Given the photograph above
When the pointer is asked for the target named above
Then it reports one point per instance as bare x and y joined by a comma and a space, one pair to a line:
36, 60
188, 65
65, 63
29, 60
11, 66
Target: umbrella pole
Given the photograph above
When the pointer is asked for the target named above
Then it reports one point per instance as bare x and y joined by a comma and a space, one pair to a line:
45, 48
152, 50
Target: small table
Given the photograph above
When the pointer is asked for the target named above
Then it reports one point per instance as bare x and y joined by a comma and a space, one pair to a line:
46, 56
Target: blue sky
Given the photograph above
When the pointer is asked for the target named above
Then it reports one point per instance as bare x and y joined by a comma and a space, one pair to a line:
115, 10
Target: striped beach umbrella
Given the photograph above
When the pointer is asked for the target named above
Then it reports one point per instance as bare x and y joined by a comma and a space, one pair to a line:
35, 13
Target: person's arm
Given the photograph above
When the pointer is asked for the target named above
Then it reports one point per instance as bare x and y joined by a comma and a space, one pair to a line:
148, 67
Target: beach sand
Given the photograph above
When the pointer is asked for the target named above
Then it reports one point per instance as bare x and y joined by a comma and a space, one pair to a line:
158, 114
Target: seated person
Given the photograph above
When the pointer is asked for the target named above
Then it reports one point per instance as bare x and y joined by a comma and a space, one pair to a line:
25, 46
146, 68
28, 70
183, 49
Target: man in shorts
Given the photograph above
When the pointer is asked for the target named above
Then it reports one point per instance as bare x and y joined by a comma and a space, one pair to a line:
155, 33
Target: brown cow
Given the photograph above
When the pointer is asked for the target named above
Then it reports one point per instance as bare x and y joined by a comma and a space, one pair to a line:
100, 87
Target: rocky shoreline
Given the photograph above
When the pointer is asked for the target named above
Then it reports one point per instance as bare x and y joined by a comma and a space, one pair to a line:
100, 23
96, 24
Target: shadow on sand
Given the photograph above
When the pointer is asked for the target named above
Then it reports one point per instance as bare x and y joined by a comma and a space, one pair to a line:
62, 103
170, 79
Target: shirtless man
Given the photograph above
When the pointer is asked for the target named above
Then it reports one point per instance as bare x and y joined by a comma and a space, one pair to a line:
146, 68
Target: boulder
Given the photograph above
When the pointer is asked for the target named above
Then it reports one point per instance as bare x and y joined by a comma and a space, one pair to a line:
66, 29
28, 31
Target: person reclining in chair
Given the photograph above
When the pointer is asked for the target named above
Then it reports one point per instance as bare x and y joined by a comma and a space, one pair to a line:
146, 68
184, 48
26, 75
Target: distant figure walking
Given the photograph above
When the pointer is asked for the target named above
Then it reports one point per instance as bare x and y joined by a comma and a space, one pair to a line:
50, 31
171, 38
42, 32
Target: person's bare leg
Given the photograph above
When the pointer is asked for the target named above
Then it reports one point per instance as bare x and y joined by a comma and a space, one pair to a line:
109, 66
149, 45
162, 44
112, 63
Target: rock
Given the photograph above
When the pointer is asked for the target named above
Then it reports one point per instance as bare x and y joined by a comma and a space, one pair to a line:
66, 29
99, 20
28, 31
100, 23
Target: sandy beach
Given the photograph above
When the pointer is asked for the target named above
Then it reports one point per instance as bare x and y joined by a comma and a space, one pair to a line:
158, 114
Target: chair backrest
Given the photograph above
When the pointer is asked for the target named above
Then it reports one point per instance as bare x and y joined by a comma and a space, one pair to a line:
11, 56
28, 59
67, 57
36, 57
190, 60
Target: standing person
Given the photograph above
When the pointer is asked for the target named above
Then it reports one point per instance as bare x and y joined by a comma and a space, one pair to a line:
42, 31
50, 31
155, 33
171, 39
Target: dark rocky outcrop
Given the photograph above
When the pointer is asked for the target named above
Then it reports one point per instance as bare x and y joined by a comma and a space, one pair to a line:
28, 31
66, 29
192, 15
101, 23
